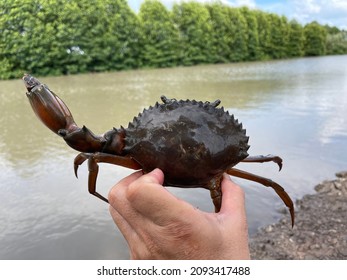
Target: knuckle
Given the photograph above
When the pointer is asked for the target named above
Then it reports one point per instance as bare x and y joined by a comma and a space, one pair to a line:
133, 190
113, 195
116, 194
141, 187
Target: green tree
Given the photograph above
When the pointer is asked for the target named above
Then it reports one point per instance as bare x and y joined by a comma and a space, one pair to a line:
193, 20
278, 36
296, 40
75, 22
336, 40
238, 45
101, 35
222, 30
16, 25
123, 35
46, 37
264, 34
252, 34
332, 30
160, 36
336, 43
315, 39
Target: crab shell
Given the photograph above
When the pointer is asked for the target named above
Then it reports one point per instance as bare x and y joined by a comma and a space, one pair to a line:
192, 142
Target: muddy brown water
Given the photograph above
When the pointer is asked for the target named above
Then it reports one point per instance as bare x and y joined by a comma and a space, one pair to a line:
292, 108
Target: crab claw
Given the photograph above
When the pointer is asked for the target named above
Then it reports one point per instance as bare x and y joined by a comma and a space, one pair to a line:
48, 107
54, 113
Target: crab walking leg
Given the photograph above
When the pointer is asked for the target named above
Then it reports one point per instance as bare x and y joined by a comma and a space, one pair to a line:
262, 159
93, 167
267, 183
216, 193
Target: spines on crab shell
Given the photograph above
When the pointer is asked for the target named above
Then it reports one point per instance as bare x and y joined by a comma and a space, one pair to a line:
225, 116
243, 143
230, 126
171, 104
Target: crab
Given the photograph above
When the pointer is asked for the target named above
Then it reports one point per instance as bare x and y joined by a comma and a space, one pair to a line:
193, 142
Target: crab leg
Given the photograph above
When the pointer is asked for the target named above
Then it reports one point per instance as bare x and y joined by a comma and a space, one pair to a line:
216, 193
93, 167
262, 159
267, 183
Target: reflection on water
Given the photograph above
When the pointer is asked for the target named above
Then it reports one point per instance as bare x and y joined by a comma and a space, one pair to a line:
293, 108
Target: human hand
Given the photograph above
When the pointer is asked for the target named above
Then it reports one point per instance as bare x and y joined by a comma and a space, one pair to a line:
157, 225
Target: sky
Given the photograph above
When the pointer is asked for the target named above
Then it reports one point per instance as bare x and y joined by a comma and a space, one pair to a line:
332, 12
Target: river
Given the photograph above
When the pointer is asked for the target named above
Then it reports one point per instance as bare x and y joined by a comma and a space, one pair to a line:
292, 108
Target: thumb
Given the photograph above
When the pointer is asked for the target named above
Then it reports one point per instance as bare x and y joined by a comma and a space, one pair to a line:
233, 199
148, 197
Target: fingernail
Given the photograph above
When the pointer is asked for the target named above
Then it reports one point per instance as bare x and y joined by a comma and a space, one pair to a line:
226, 177
156, 171
157, 174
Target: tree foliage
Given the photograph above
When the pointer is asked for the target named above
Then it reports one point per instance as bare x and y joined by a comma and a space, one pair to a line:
315, 39
160, 36
264, 34
252, 37
336, 40
296, 39
55, 37
279, 39
193, 21
222, 29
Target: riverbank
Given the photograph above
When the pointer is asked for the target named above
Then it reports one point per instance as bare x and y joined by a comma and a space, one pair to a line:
320, 230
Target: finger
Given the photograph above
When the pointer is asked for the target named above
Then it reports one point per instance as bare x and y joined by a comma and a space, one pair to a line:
233, 215
137, 247
130, 223
233, 199
153, 201
127, 231
121, 210
118, 189
116, 199
126, 188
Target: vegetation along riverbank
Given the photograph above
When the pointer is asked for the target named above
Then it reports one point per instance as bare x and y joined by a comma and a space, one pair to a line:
320, 231
55, 37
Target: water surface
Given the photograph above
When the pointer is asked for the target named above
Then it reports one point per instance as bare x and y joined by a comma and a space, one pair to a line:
292, 108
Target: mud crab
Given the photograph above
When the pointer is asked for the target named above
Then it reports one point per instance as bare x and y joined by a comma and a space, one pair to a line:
192, 142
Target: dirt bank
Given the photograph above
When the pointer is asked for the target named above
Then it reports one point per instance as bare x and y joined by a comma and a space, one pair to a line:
320, 230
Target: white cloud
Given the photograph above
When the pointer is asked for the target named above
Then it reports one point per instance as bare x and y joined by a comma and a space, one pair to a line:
332, 12
308, 6
248, 3
305, 10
